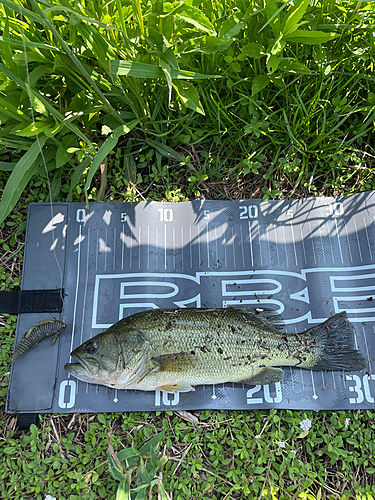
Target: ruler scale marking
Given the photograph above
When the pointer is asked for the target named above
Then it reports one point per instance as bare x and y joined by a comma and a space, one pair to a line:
294, 243
242, 248
349, 247
86, 280
368, 239
251, 246
359, 246
338, 240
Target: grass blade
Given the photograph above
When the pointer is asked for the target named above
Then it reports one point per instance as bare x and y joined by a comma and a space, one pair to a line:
21, 44
143, 70
8, 109
75, 60
168, 152
123, 491
295, 16
310, 37
46, 103
78, 171
78, 15
7, 166
122, 23
273, 12
19, 178
105, 149
23, 11
151, 443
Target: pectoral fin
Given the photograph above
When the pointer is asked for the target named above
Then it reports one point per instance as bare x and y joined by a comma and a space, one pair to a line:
268, 375
179, 387
173, 362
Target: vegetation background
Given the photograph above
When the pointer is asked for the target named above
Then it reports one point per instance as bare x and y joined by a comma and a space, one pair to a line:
125, 100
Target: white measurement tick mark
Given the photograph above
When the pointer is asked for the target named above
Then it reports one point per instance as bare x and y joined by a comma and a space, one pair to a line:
105, 249
347, 237
76, 294
190, 252
115, 399
139, 247
315, 396
294, 243
86, 279
303, 243
234, 249
148, 247
114, 249
165, 246
122, 238
251, 246
338, 239
208, 246
356, 233
268, 246
286, 248
217, 251
312, 241
182, 247
368, 239
242, 248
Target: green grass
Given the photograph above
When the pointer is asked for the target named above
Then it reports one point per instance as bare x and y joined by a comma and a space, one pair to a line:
174, 101
225, 455
273, 91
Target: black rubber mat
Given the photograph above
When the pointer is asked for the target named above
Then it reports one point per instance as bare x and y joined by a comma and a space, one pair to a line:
306, 258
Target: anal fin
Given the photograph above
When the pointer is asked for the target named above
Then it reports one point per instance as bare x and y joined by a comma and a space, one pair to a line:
179, 387
268, 375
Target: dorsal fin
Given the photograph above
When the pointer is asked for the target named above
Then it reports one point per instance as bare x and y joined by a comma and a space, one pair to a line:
263, 317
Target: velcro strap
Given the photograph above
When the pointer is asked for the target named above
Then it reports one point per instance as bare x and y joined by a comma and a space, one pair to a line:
31, 301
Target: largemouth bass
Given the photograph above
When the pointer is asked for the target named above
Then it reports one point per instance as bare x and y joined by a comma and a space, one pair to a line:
175, 350
36, 334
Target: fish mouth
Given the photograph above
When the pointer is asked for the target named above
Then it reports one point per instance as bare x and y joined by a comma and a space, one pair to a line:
80, 368
74, 368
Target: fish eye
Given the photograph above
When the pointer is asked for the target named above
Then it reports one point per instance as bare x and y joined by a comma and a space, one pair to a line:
91, 348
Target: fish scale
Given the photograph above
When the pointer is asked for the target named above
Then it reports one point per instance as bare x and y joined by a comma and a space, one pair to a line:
214, 343
175, 350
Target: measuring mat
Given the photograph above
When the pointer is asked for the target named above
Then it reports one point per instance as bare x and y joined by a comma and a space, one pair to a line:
307, 259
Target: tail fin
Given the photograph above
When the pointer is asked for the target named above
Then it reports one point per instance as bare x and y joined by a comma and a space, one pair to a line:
336, 338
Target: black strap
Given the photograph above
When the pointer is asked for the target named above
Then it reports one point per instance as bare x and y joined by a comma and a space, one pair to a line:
31, 301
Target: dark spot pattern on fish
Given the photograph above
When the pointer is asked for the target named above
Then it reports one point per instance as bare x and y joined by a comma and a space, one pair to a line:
211, 338
204, 349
